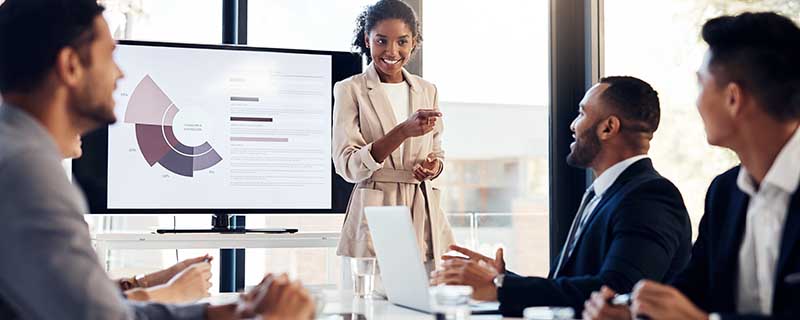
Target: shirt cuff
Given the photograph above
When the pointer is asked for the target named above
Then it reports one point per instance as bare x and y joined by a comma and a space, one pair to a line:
368, 160
714, 316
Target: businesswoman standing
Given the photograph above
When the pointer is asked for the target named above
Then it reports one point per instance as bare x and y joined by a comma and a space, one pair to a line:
387, 134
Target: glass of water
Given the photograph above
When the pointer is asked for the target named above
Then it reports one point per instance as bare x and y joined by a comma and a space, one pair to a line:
363, 270
548, 313
451, 302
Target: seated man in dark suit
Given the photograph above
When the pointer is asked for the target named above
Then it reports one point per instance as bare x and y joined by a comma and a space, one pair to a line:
57, 77
746, 261
631, 225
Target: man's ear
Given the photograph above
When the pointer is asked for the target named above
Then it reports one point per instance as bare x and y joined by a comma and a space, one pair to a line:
68, 67
734, 99
608, 127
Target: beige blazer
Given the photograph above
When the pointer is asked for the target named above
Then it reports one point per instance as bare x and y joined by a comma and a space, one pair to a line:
363, 114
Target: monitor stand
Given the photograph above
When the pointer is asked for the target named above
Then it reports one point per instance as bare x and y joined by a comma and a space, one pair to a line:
220, 223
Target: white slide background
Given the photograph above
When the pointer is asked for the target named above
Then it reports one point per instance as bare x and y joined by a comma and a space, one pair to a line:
290, 171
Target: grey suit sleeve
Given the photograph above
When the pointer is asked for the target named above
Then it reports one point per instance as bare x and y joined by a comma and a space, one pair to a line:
48, 268
144, 310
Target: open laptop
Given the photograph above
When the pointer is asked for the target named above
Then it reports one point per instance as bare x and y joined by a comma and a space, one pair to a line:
402, 271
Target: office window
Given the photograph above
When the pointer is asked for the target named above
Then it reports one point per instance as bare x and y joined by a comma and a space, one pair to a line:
489, 60
659, 42
303, 24
165, 20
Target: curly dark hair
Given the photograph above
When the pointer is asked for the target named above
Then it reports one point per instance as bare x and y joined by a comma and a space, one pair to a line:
759, 52
380, 11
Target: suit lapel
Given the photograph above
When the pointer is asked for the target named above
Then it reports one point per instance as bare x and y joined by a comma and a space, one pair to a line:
791, 235
418, 101
629, 174
382, 107
598, 210
729, 253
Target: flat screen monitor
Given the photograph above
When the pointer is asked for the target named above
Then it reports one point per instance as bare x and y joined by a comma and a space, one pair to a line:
217, 129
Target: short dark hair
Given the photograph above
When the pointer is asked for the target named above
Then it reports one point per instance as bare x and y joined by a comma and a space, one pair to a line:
33, 32
384, 10
761, 53
633, 100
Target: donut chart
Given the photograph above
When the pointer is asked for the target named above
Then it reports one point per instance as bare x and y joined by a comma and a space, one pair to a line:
153, 113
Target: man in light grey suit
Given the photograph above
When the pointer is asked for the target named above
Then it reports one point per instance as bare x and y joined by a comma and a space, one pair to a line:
57, 76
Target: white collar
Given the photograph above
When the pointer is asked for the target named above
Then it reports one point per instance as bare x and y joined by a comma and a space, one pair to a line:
605, 180
784, 172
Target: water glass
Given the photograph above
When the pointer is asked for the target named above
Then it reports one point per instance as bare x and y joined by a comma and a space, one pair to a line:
363, 270
451, 302
318, 295
548, 313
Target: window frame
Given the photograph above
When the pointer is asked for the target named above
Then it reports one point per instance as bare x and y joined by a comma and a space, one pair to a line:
575, 40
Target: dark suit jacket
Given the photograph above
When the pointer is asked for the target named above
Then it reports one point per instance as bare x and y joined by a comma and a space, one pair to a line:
711, 278
639, 230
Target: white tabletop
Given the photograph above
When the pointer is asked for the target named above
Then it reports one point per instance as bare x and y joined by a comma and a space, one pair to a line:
338, 302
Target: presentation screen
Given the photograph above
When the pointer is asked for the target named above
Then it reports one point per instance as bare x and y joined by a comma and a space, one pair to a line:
212, 128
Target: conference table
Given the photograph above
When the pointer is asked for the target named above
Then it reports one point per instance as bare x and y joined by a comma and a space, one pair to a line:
341, 305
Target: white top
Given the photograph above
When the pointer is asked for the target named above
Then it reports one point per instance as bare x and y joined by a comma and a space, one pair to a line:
766, 214
399, 95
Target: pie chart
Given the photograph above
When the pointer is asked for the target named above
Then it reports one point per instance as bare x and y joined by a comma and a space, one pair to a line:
153, 114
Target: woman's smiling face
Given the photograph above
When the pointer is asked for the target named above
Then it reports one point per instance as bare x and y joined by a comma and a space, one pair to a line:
391, 43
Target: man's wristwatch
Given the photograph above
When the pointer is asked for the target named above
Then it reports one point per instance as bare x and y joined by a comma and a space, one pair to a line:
498, 280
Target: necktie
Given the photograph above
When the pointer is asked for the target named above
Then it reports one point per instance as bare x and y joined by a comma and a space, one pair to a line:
577, 226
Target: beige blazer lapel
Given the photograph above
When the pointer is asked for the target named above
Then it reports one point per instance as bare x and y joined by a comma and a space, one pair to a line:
418, 100
383, 108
